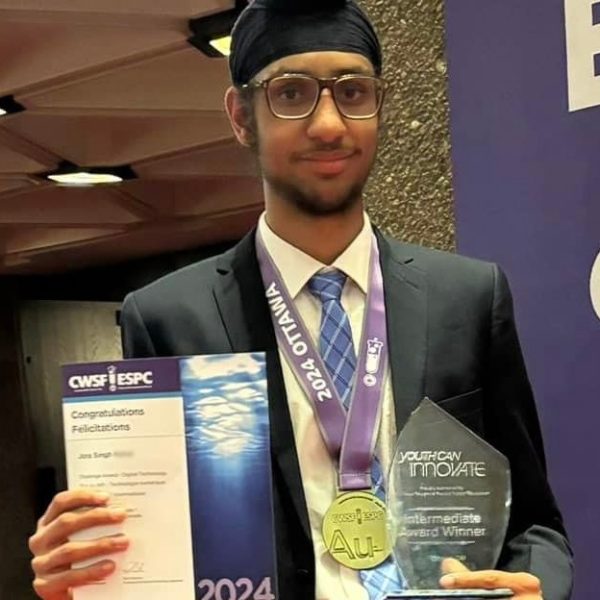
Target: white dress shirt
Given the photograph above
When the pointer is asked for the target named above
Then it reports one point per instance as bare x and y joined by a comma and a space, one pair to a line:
319, 474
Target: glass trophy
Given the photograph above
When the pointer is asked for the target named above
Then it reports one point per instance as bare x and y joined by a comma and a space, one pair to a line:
449, 496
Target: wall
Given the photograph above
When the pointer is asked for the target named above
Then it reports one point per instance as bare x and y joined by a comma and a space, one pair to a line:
54, 334
410, 194
16, 461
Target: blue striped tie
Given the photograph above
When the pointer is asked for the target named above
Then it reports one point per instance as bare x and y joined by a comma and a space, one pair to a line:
337, 350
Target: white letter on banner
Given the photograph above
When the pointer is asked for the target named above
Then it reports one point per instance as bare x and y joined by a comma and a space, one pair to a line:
583, 53
595, 286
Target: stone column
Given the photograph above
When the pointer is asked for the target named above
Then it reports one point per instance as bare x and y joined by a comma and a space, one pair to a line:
410, 191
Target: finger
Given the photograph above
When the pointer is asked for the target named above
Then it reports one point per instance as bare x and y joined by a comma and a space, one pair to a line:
60, 583
71, 500
66, 555
68, 523
523, 583
451, 565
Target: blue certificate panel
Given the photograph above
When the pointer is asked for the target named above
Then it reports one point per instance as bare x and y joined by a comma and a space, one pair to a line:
227, 435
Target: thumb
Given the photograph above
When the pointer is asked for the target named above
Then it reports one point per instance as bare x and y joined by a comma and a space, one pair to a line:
451, 565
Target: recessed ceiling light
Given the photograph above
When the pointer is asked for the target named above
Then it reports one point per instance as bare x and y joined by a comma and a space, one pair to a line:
9, 106
85, 178
70, 174
222, 45
211, 34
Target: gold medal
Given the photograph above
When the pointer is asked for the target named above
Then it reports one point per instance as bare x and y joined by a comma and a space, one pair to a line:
355, 530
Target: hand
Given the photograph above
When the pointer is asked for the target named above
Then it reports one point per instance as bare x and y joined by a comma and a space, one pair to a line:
54, 553
457, 576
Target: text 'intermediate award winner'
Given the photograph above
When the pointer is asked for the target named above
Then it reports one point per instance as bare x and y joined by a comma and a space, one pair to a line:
449, 496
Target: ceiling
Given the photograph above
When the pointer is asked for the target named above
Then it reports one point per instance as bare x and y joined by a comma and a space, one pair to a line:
110, 83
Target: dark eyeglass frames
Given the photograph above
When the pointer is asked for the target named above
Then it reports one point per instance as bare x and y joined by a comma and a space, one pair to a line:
292, 96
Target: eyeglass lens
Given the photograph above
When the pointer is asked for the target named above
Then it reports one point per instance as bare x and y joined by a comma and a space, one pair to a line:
297, 96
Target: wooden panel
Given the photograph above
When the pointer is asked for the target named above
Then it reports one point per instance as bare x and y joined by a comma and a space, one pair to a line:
116, 139
181, 80
179, 8
53, 334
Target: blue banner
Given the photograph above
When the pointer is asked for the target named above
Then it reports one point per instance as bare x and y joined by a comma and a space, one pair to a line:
525, 120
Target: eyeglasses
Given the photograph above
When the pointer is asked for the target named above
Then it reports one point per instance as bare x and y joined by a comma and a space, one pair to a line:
292, 96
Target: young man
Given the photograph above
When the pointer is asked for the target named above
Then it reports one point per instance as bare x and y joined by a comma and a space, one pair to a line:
307, 97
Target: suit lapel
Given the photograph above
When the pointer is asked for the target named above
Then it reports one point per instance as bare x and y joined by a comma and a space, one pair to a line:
240, 296
406, 313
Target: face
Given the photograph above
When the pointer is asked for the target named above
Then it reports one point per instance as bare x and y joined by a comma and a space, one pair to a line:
319, 164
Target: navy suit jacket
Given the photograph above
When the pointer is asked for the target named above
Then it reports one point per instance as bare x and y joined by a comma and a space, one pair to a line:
452, 338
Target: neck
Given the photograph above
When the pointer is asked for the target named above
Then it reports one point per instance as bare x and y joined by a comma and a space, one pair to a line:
324, 237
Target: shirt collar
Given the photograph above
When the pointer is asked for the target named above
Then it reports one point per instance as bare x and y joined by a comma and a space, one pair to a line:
297, 267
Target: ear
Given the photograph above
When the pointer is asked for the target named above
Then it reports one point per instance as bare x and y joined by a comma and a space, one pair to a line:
238, 117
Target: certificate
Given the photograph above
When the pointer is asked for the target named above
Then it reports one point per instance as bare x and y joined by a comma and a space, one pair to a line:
183, 445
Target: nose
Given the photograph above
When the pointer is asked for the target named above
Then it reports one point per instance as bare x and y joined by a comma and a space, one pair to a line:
326, 123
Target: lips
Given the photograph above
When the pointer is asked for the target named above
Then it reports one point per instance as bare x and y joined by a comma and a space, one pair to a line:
328, 163
328, 156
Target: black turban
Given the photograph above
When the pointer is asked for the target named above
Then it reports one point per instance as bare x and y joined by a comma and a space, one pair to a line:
268, 30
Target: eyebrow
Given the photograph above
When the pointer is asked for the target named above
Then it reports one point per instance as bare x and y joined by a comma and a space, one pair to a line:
357, 70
